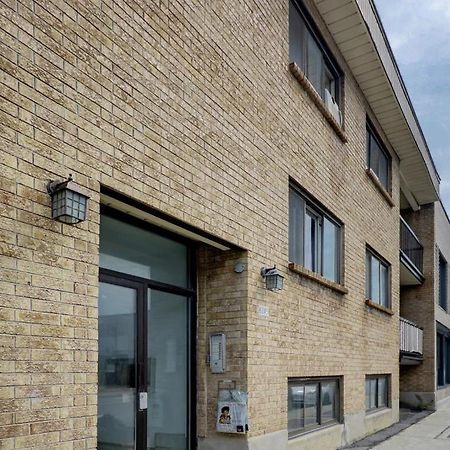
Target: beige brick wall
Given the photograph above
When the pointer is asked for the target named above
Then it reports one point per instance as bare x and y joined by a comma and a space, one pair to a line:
417, 303
190, 108
421, 303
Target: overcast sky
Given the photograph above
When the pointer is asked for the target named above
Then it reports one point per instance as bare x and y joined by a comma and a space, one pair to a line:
419, 34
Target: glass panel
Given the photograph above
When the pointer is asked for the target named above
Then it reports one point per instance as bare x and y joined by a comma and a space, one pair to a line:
330, 255
330, 83
447, 361
296, 402
374, 279
130, 249
329, 395
168, 341
375, 156
116, 367
382, 392
373, 393
310, 242
368, 258
367, 394
311, 401
315, 64
296, 37
384, 286
383, 170
296, 210
440, 359
442, 282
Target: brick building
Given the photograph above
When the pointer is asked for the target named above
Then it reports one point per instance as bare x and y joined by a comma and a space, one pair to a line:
425, 352
213, 139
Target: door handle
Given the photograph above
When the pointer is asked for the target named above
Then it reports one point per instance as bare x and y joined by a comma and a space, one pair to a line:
143, 401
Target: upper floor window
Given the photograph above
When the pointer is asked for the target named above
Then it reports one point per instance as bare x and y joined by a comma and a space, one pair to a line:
442, 282
377, 279
378, 158
312, 403
314, 236
377, 387
307, 50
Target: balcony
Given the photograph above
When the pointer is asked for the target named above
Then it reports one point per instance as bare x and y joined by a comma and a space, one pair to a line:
411, 256
411, 343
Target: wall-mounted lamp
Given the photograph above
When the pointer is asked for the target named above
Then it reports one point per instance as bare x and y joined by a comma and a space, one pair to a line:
273, 277
69, 201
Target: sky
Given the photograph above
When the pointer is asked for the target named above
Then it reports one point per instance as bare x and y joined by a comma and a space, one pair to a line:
419, 34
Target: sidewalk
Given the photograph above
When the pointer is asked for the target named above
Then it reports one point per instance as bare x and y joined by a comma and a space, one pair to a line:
431, 433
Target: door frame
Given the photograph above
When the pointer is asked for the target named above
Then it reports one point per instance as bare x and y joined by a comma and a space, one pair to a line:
143, 284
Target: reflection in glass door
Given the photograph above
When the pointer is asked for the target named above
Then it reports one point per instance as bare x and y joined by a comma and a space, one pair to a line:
168, 340
116, 367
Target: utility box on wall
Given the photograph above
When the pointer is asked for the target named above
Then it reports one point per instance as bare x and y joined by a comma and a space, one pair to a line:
217, 346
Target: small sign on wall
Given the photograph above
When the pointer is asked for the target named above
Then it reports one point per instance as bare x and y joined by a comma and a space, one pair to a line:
263, 311
232, 412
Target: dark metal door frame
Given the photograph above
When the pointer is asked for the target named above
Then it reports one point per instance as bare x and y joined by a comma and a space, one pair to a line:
141, 285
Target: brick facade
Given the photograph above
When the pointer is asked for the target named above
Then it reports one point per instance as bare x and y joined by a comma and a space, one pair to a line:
191, 109
421, 305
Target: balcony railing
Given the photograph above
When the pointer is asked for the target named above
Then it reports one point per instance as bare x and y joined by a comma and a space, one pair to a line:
411, 338
410, 246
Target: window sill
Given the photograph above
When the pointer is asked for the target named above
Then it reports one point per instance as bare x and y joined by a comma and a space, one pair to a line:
296, 268
315, 97
377, 412
387, 196
379, 307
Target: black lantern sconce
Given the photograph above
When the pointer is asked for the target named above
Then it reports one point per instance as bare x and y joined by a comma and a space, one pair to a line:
69, 201
273, 277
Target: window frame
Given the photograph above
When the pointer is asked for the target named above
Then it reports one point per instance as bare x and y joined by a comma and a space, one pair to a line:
313, 208
371, 133
329, 61
383, 262
377, 377
443, 293
337, 400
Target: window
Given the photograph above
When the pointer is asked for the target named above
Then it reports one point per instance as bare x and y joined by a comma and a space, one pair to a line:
314, 236
311, 404
377, 279
309, 53
378, 158
440, 350
442, 355
377, 392
442, 282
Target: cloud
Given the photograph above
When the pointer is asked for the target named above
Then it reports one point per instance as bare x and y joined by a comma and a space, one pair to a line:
419, 33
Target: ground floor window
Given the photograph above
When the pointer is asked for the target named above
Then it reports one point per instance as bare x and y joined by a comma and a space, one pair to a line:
312, 403
443, 358
377, 392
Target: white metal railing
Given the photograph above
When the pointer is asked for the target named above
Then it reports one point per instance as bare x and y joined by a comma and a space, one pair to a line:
411, 337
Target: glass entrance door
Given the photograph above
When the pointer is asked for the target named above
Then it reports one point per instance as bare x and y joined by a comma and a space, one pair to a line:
145, 346
168, 369
117, 364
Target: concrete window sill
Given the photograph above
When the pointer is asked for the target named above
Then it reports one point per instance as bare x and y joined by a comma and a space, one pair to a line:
387, 196
317, 99
300, 270
379, 307
377, 412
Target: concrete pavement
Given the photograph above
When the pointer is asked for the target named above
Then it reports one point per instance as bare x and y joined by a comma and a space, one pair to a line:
431, 433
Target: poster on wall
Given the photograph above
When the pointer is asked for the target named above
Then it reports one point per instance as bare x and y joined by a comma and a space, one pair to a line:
232, 411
